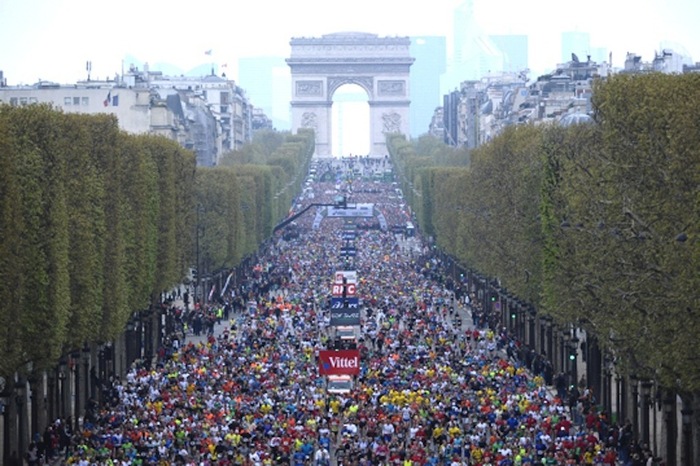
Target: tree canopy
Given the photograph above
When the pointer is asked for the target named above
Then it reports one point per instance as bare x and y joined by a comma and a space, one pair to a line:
95, 223
594, 224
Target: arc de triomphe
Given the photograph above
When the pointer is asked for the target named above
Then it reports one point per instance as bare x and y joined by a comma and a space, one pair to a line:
380, 65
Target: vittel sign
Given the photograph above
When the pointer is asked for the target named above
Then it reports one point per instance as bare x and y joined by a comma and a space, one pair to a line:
341, 362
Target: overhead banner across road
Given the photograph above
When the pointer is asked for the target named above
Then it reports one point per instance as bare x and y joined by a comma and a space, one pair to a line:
352, 210
339, 362
350, 302
345, 316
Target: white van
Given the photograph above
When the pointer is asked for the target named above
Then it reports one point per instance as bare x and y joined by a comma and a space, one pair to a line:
346, 332
339, 384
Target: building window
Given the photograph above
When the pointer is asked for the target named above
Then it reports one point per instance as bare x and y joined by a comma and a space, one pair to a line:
225, 98
13, 101
76, 100
85, 101
67, 101
23, 101
223, 109
33, 100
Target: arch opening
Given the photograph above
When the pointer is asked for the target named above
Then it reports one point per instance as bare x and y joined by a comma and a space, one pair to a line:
351, 121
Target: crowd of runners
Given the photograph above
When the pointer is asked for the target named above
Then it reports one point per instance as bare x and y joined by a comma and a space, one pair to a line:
433, 388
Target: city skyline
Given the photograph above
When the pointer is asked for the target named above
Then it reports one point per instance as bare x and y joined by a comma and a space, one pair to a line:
53, 40
57, 43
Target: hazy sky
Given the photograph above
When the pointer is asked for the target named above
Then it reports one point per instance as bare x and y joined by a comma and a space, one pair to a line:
52, 39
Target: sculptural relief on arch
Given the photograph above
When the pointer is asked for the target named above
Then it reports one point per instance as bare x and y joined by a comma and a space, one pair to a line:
321, 65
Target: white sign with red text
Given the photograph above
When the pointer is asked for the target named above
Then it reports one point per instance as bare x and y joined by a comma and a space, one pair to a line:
337, 289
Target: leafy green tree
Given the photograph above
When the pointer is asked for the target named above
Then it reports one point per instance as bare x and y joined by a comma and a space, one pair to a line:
42, 301
172, 163
501, 213
117, 297
85, 197
137, 174
12, 257
653, 163
441, 153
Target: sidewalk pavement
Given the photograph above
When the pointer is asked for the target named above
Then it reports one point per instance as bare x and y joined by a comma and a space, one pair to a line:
219, 328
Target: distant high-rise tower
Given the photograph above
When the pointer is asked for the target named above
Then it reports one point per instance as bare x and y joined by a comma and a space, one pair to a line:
266, 81
515, 49
600, 54
474, 55
575, 42
431, 62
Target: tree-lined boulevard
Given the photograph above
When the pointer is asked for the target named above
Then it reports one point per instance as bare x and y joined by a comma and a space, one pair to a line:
572, 250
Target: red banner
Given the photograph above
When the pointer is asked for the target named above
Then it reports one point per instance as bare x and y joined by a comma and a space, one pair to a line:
349, 288
331, 362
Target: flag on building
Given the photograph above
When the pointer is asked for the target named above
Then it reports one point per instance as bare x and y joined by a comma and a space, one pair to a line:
207, 52
108, 99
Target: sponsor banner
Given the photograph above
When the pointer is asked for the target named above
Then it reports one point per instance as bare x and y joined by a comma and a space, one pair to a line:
340, 362
349, 235
337, 289
351, 302
350, 276
352, 210
345, 316
348, 251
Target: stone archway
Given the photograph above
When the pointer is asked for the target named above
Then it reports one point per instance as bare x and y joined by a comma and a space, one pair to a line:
379, 65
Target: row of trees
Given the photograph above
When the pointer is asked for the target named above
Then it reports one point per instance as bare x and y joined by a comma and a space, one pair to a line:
89, 221
95, 223
594, 224
242, 200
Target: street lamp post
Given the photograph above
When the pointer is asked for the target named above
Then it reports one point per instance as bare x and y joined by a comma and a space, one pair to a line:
607, 383
5, 400
646, 392
531, 330
621, 390
670, 412
573, 357
142, 336
566, 364
198, 283
86, 374
547, 340
687, 419
62, 386
148, 336
75, 388
20, 386
634, 382
50, 395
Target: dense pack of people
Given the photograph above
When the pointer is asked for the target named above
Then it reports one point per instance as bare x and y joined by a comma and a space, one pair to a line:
239, 384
